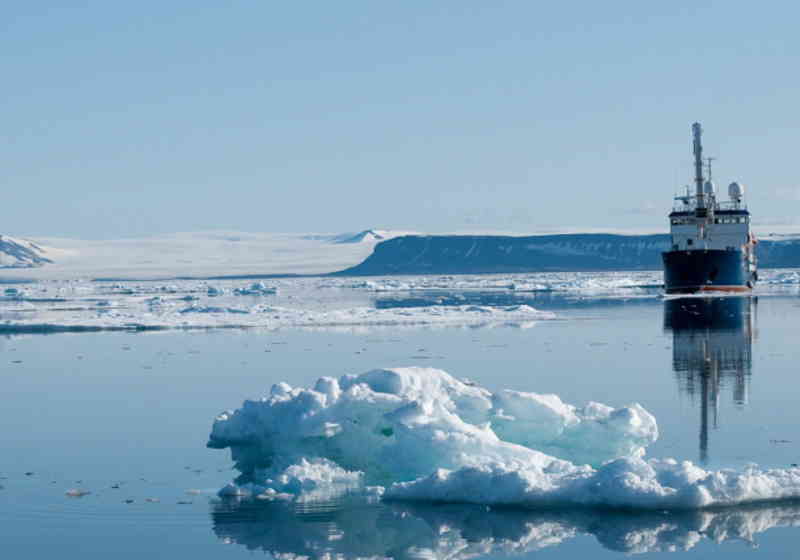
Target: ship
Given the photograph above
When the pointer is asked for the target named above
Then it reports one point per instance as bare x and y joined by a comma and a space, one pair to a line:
712, 246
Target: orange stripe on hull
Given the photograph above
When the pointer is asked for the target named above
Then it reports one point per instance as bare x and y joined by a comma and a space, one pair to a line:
725, 289
695, 289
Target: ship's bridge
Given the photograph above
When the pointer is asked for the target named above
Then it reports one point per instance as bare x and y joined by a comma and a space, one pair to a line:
726, 226
677, 218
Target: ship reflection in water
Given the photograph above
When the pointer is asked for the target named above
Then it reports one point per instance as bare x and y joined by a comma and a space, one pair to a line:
711, 352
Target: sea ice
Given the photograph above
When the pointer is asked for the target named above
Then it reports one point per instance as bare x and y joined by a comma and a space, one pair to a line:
427, 436
626, 284
256, 289
185, 304
790, 277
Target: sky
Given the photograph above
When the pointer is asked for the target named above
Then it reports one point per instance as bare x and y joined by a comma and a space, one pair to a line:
130, 119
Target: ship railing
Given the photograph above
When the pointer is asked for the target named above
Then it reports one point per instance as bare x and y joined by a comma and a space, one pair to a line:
689, 204
731, 205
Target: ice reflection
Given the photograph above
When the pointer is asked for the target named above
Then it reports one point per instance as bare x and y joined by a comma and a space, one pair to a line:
711, 351
362, 529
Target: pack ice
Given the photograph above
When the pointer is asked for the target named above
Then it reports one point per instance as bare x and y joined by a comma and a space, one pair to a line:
421, 434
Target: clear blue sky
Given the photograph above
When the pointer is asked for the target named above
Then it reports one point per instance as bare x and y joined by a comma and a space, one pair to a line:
133, 118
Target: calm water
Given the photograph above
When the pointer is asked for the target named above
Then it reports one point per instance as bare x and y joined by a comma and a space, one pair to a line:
127, 416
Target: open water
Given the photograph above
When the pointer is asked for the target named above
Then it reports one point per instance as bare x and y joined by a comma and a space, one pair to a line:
126, 416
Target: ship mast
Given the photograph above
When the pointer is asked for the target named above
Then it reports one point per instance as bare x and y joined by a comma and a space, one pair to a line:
697, 132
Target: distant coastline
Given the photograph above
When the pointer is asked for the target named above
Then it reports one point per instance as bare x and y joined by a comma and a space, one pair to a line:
485, 254
262, 256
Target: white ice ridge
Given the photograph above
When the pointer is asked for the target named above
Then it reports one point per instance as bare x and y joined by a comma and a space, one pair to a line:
424, 435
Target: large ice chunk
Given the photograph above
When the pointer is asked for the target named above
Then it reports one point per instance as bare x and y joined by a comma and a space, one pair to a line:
428, 436
397, 425
622, 483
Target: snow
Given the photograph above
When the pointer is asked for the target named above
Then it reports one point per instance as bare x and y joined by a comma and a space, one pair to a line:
22, 253
423, 435
366, 236
198, 255
307, 481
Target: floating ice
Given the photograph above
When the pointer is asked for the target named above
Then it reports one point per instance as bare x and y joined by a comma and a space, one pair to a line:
790, 277
212, 309
195, 305
609, 283
12, 292
315, 480
257, 289
427, 436
319, 303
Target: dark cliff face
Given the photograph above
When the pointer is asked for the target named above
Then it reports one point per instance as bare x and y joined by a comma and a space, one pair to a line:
471, 254
784, 253
480, 254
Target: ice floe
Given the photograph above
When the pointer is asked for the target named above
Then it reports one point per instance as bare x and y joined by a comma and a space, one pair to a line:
783, 277
423, 435
256, 289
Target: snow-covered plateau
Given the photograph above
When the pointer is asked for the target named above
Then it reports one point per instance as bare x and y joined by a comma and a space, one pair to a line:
203, 254
419, 434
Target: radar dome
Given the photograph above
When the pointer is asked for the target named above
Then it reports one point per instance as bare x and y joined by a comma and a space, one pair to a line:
708, 188
736, 191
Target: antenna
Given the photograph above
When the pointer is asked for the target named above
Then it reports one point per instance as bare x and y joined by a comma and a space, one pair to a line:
708, 165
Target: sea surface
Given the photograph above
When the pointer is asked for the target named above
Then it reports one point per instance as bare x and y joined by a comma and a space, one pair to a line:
126, 417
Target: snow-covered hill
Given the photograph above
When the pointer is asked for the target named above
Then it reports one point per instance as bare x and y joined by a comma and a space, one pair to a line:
366, 236
21, 253
196, 254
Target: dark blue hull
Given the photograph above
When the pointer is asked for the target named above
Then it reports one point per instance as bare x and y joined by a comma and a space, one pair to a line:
688, 272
